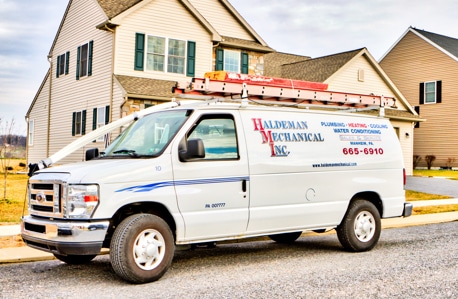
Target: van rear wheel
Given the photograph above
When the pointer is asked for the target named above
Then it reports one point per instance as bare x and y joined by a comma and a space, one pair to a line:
142, 248
286, 237
360, 229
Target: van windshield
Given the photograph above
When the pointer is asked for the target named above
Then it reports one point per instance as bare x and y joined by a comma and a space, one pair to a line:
148, 136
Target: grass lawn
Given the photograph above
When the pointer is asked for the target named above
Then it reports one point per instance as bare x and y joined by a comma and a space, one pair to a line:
13, 207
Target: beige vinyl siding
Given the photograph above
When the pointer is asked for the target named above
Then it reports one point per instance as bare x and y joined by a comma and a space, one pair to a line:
346, 80
150, 20
410, 62
39, 115
406, 142
70, 95
221, 19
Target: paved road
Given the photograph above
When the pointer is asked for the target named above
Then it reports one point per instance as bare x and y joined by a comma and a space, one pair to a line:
433, 185
412, 262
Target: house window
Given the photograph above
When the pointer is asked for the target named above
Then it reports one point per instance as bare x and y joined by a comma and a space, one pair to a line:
84, 60
62, 64
231, 61
31, 131
79, 123
164, 55
100, 118
161, 50
431, 92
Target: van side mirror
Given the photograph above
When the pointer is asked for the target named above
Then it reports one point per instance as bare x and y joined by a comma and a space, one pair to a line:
194, 150
92, 153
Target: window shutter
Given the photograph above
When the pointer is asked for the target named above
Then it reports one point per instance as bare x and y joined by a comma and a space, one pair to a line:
244, 63
73, 123
107, 114
417, 109
94, 119
219, 65
83, 122
422, 93
67, 62
191, 61
139, 51
89, 64
439, 92
57, 67
78, 58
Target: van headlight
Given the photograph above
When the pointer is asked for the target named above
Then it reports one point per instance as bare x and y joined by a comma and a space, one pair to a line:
82, 200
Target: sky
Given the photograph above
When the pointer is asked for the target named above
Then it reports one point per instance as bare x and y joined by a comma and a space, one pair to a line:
306, 27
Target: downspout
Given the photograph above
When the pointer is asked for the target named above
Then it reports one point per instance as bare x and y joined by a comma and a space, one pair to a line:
48, 134
113, 48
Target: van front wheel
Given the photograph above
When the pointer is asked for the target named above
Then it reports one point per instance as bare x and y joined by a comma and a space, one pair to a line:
361, 226
142, 248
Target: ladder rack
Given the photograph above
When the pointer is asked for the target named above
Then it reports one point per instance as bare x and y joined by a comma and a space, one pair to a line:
224, 84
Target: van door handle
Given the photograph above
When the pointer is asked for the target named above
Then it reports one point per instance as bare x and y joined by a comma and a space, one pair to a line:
244, 185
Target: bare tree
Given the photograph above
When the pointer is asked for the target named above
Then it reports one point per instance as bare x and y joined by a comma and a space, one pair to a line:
9, 141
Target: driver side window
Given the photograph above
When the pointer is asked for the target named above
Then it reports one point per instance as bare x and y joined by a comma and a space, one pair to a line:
218, 135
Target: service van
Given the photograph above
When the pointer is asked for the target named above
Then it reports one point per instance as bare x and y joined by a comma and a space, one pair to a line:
208, 171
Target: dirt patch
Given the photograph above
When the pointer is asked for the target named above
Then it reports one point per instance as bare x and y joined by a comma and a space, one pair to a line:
11, 241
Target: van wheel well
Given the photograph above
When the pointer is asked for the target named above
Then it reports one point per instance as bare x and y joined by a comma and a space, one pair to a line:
372, 197
139, 208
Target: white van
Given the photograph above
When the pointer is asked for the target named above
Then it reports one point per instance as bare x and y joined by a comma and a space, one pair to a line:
210, 171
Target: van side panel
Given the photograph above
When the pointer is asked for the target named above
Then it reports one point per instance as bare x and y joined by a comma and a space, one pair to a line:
305, 167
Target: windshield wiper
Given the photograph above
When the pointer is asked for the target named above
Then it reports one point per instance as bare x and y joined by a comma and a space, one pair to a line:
131, 153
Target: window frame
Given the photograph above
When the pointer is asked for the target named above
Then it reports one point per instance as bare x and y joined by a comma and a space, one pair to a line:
166, 66
434, 93
84, 62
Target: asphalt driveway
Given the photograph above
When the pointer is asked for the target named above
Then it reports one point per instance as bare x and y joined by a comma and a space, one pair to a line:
433, 185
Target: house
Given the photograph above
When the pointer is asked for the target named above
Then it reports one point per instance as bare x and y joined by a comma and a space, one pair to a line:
357, 72
424, 66
111, 58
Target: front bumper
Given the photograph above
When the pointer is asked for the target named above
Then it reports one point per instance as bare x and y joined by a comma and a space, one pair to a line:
64, 237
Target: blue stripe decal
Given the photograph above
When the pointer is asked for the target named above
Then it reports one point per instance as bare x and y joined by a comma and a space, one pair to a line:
153, 186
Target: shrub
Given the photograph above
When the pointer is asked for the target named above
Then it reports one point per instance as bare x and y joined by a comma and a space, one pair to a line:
416, 160
429, 160
22, 164
449, 162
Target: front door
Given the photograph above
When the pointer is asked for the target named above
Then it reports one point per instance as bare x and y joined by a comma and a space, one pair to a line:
212, 192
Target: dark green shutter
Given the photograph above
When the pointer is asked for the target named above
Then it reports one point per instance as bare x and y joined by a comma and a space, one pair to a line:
74, 124
67, 62
107, 114
94, 119
78, 58
219, 65
244, 63
422, 93
89, 64
191, 62
417, 109
83, 123
139, 51
57, 68
438, 92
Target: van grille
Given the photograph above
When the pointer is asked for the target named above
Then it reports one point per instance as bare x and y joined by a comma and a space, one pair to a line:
45, 198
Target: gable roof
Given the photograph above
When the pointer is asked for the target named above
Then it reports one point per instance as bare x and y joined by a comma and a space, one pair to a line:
318, 69
273, 62
447, 45
113, 8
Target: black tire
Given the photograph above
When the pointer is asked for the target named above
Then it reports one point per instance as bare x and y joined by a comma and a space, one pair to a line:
75, 259
286, 237
361, 226
142, 248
